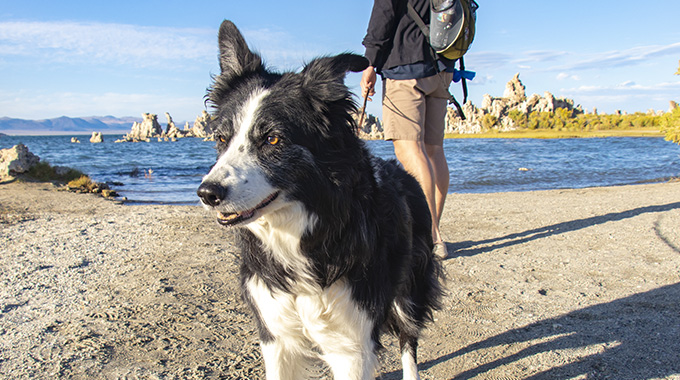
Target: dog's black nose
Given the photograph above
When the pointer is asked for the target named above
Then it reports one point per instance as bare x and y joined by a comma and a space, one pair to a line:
212, 194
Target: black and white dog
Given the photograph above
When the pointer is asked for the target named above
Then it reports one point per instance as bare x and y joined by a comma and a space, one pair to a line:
336, 244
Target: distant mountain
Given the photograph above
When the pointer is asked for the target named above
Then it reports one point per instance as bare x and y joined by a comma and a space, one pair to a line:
68, 124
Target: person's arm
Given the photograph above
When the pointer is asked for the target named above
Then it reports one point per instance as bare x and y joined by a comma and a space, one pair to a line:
380, 33
368, 79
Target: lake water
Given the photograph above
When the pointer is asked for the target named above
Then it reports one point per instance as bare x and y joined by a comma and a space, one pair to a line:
476, 165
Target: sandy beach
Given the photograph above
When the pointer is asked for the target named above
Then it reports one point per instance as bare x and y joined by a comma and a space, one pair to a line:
562, 284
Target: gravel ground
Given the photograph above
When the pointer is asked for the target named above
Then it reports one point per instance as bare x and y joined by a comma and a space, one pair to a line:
564, 284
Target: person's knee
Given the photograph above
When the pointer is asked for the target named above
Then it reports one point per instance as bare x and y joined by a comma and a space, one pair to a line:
435, 153
433, 149
409, 149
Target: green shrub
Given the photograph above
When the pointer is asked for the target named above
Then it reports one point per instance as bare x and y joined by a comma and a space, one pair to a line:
43, 171
489, 121
519, 118
671, 125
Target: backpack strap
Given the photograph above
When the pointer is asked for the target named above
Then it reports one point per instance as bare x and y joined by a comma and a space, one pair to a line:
461, 64
426, 31
453, 100
419, 21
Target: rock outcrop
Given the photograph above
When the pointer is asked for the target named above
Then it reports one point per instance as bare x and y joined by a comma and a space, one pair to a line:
371, 128
145, 130
494, 112
96, 138
203, 126
16, 160
150, 128
171, 131
514, 99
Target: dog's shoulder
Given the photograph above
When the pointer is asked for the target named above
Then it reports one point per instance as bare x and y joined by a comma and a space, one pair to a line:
391, 176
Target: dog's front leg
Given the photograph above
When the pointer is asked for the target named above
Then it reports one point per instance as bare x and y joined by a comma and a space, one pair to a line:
342, 330
352, 366
282, 363
284, 349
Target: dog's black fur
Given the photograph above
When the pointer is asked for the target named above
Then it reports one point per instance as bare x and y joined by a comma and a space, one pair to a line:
372, 226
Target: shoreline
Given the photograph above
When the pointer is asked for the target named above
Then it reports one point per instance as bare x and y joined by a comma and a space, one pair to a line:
567, 283
524, 133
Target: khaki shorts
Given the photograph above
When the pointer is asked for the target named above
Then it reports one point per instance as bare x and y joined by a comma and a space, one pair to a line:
415, 109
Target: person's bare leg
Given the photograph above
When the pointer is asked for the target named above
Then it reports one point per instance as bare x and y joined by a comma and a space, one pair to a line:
441, 176
413, 156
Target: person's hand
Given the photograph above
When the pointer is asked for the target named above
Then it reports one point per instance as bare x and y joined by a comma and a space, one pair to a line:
368, 79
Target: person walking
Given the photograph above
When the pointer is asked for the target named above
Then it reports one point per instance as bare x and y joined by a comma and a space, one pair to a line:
415, 95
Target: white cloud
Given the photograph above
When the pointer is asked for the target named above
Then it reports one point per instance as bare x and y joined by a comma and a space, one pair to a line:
627, 95
628, 86
30, 105
525, 60
280, 49
565, 76
158, 65
480, 80
139, 46
570, 62
110, 43
486, 60
618, 58
535, 56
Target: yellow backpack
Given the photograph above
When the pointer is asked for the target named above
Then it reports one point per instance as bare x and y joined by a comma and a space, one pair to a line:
450, 34
452, 26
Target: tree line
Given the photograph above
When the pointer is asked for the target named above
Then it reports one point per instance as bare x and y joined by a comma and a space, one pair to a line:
671, 123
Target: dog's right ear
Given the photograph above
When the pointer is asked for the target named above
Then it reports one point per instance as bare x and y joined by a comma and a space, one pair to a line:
235, 55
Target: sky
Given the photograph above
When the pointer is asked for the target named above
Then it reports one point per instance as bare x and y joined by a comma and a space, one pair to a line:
124, 58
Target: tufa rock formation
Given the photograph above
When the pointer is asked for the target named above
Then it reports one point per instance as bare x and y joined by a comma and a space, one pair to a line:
494, 112
145, 130
371, 129
203, 126
16, 160
96, 138
514, 99
171, 131
150, 128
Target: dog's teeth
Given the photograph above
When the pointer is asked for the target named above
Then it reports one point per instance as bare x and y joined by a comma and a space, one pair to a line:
227, 217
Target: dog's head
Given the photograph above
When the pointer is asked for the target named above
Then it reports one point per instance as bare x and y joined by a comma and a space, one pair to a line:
281, 137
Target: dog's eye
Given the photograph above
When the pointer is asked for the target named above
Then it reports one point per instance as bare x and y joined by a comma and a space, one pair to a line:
273, 140
221, 139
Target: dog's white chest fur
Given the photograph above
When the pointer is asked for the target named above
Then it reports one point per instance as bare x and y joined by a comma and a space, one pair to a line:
307, 320
325, 322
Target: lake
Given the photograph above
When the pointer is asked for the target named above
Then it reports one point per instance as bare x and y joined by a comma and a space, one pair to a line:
476, 165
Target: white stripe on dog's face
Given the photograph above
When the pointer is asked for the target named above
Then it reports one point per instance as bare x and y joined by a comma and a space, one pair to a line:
237, 168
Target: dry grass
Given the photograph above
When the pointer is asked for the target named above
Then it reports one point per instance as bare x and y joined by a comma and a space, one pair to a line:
83, 183
556, 134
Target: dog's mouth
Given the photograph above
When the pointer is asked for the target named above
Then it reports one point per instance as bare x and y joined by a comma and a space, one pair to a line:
241, 216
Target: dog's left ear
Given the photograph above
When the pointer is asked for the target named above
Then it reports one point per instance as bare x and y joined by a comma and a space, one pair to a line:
236, 58
326, 76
